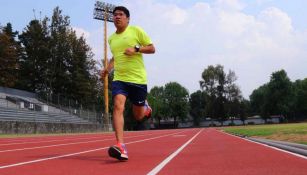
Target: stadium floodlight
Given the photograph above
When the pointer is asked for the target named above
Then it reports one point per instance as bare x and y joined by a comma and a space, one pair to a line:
104, 11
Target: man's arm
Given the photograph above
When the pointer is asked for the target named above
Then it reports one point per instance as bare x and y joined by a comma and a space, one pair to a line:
109, 68
149, 49
111, 64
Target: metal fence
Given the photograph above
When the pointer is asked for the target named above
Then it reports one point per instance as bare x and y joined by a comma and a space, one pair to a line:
85, 109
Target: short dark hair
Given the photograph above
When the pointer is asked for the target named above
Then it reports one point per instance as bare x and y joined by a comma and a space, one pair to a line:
122, 8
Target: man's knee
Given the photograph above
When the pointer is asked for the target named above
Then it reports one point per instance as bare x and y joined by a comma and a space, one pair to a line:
119, 108
119, 103
138, 117
138, 112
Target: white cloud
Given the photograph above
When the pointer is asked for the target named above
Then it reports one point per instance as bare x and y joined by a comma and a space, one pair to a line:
229, 4
81, 32
261, 2
277, 22
176, 16
189, 39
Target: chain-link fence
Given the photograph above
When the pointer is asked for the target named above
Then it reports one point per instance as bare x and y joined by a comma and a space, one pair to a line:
62, 104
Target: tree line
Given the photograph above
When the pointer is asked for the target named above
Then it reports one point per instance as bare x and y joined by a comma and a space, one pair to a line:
281, 97
220, 98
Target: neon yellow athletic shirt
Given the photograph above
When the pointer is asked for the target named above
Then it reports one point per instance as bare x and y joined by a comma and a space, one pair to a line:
129, 68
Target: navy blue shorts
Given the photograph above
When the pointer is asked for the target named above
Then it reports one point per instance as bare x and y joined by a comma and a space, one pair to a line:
136, 93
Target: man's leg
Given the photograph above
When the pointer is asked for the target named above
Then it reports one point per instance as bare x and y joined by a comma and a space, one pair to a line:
118, 117
137, 95
140, 112
119, 150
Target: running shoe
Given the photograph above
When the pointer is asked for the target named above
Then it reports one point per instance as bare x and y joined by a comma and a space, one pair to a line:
119, 152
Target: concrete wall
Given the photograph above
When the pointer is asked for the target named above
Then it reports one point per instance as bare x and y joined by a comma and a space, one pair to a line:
14, 127
255, 121
206, 123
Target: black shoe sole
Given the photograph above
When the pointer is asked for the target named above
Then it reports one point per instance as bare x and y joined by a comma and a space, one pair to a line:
115, 153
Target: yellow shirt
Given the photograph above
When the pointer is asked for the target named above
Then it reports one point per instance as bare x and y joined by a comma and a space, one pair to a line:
129, 68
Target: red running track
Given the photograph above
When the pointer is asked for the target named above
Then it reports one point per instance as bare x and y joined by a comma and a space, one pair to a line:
186, 151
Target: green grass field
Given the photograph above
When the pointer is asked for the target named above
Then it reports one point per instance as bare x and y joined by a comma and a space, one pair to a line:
284, 132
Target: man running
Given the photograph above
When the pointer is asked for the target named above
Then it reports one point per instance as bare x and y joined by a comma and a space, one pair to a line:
127, 45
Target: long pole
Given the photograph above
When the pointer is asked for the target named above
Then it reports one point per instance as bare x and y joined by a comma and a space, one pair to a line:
103, 11
105, 80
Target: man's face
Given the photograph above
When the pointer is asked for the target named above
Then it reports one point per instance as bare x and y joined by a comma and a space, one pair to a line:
120, 19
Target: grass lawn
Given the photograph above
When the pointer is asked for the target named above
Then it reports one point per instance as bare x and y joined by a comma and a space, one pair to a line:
296, 133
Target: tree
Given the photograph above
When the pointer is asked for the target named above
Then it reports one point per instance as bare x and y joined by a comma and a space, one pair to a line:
257, 98
234, 99
61, 58
156, 101
73, 73
176, 98
35, 60
82, 71
213, 80
244, 110
9, 53
197, 106
212, 83
274, 98
224, 96
259, 103
280, 94
299, 103
58, 64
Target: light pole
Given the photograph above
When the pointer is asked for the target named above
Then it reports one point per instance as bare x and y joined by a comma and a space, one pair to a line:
104, 11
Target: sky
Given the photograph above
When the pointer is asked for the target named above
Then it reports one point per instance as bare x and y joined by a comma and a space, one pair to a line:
253, 38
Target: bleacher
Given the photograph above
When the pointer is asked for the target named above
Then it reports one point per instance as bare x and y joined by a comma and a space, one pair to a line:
17, 105
6, 103
10, 114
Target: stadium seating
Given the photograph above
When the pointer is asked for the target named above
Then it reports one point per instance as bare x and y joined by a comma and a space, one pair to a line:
9, 114
16, 106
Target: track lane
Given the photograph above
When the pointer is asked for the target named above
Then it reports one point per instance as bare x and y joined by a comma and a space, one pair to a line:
12, 157
59, 142
30, 144
42, 138
217, 153
46, 139
211, 152
97, 162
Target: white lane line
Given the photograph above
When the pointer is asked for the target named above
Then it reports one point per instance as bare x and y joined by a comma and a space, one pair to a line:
169, 158
278, 149
78, 153
65, 144
43, 138
30, 141
47, 141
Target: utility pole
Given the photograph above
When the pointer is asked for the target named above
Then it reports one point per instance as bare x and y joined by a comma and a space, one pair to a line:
104, 11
